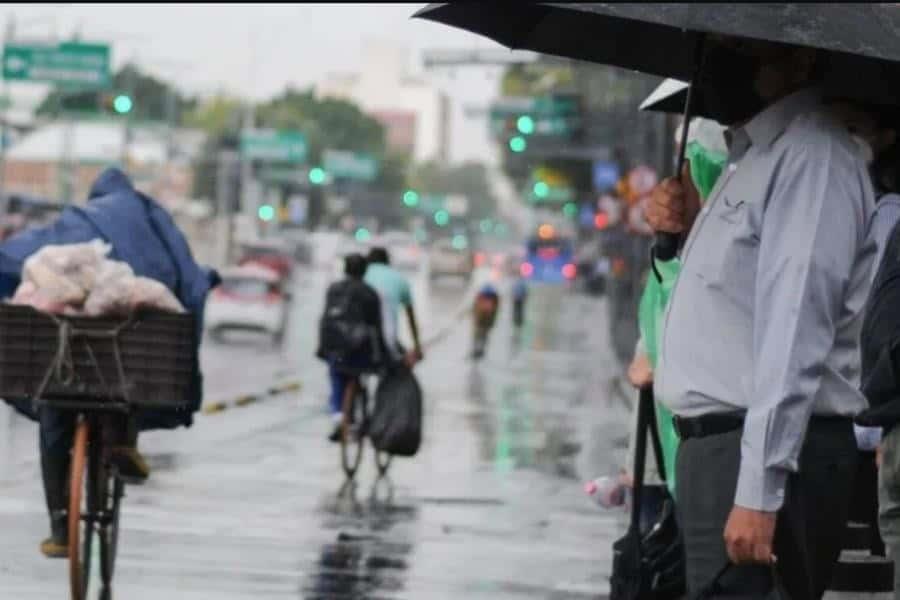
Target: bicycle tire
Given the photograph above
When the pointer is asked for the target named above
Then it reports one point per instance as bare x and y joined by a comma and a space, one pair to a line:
352, 443
382, 461
80, 475
109, 532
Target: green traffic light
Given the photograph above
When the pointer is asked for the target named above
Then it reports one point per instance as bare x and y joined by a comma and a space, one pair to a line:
441, 218
459, 242
486, 226
569, 209
518, 144
266, 212
363, 235
317, 176
525, 125
122, 104
541, 189
410, 198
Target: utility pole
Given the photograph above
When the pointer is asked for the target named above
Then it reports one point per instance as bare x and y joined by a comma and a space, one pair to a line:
247, 201
225, 197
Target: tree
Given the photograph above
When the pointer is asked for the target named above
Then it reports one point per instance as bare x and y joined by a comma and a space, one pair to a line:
216, 116
154, 100
326, 123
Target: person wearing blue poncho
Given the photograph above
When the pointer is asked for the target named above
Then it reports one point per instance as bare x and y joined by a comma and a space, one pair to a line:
143, 235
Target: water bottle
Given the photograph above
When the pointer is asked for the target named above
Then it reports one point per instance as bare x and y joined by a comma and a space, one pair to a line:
608, 492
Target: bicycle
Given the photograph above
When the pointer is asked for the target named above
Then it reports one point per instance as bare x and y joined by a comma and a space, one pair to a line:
95, 496
354, 429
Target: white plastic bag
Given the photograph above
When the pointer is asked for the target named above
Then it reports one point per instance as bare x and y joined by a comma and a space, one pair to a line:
111, 293
149, 293
65, 274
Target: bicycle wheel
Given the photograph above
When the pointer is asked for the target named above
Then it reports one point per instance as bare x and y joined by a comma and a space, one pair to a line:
113, 490
382, 461
353, 427
82, 497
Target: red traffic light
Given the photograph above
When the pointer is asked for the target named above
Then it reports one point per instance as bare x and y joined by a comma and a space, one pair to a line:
601, 220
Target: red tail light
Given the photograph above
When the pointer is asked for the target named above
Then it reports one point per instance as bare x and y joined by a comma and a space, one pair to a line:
601, 220
526, 269
569, 271
479, 259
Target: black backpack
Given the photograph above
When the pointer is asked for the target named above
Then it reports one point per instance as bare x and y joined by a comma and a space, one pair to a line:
343, 331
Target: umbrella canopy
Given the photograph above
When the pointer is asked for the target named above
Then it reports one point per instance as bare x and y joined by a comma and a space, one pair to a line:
651, 37
668, 97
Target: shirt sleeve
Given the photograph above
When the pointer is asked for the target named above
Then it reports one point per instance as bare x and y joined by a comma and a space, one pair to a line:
886, 217
811, 232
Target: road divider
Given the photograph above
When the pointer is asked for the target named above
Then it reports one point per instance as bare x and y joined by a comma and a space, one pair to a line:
211, 408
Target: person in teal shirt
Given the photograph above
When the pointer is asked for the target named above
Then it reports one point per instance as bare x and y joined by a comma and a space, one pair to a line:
705, 159
396, 294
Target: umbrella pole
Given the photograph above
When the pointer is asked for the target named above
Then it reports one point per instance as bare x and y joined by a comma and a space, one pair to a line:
666, 245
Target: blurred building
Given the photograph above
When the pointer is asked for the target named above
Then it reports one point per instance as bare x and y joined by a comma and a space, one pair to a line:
58, 160
415, 115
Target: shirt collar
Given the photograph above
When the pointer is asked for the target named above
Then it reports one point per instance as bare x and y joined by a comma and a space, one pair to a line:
768, 125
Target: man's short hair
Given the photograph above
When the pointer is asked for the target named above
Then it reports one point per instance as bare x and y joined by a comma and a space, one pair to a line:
355, 266
379, 255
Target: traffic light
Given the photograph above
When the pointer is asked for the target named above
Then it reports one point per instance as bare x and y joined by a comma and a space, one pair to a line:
517, 144
570, 209
266, 212
525, 125
411, 198
541, 189
486, 225
317, 176
123, 104
441, 218
363, 235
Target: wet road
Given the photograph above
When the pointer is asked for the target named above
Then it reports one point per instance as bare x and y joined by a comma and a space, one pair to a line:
246, 503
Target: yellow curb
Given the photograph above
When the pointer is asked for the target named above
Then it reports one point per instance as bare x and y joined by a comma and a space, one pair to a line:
287, 387
245, 400
215, 407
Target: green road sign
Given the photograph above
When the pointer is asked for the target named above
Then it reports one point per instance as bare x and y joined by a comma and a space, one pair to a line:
71, 64
350, 165
276, 146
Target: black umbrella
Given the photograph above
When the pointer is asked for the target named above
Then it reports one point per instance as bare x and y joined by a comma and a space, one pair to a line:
862, 40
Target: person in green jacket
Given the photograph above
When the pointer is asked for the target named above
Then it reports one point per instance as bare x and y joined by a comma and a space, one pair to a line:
706, 157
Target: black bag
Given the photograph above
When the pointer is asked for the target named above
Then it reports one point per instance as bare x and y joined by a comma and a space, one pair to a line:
396, 425
714, 588
648, 564
343, 331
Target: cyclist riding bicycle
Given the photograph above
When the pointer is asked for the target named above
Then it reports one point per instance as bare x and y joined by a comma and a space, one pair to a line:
484, 315
143, 235
350, 334
395, 293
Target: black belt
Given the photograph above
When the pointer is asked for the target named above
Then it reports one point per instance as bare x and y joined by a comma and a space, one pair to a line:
706, 425
719, 423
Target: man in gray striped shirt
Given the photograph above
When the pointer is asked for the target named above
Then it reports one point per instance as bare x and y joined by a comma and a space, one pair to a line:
759, 355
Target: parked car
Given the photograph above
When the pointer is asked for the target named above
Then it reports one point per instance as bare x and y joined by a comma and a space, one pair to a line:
250, 298
444, 259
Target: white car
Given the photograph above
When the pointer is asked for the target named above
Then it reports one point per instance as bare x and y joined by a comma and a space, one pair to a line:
250, 298
444, 259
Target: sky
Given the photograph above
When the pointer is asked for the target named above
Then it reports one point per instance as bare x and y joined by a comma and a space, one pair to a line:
265, 47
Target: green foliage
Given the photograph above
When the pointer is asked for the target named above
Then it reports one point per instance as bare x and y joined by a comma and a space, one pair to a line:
469, 179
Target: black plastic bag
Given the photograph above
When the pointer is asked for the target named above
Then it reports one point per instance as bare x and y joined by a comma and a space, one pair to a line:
396, 425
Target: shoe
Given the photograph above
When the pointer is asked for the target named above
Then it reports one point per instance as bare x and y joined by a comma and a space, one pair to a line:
130, 463
57, 545
54, 548
336, 433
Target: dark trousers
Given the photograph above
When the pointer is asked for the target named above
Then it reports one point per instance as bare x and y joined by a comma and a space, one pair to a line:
57, 432
810, 526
